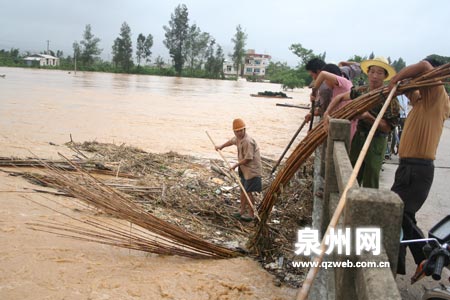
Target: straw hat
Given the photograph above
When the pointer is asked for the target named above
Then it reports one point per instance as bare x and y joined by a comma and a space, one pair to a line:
381, 62
238, 124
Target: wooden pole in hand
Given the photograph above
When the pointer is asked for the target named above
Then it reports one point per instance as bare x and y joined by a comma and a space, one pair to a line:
312, 115
303, 293
236, 178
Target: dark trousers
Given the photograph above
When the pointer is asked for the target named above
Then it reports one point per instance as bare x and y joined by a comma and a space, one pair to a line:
413, 180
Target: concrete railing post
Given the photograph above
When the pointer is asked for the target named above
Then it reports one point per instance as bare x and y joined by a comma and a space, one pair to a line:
377, 208
372, 208
339, 131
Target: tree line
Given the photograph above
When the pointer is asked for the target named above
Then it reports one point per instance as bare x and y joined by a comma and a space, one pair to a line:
296, 77
193, 53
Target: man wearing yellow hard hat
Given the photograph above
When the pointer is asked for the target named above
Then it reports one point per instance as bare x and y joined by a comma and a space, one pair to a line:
249, 164
378, 71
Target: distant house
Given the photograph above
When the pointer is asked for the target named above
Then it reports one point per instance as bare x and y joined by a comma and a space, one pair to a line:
256, 64
42, 60
228, 69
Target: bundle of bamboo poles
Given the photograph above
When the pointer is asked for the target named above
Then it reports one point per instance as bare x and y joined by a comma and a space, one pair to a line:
317, 136
92, 166
148, 233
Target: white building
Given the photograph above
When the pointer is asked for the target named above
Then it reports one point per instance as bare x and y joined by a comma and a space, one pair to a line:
256, 64
228, 69
42, 60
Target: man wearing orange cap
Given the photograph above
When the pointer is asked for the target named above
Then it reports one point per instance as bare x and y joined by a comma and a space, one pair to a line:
249, 163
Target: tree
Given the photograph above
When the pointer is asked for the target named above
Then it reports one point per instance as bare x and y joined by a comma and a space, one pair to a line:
159, 62
214, 61
140, 48
357, 58
196, 47
371, 56
291, 81
399, 64
276, 71
304, 54
122, 48
9, 58
15, 54
88, 47
239, 40
76, 52
218, 65
147, 47
177, 35
143, 46
210, 59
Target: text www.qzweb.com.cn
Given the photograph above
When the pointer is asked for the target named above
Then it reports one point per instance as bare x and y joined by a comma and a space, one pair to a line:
341, 264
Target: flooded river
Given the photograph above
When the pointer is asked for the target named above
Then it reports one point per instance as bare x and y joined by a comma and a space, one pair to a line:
157, 114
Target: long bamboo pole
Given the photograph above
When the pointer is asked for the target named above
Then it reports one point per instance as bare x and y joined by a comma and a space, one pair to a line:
313, 105
287, 147
303, 293
237, 179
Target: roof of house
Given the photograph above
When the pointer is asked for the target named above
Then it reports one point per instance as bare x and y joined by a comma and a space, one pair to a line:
39, 56
259, 55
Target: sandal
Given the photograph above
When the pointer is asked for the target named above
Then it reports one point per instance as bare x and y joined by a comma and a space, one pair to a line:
246, 218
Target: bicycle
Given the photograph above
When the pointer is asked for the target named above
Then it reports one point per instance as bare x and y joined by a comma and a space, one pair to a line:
393, 141
437, 252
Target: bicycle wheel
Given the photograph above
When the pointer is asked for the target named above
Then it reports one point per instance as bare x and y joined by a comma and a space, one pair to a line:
437, 293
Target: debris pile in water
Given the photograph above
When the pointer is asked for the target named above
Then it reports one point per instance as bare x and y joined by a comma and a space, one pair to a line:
201, 196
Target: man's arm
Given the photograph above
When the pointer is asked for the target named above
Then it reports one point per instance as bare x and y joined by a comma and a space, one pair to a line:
350, 69
383, 126
347, 63
327, 77
410, 71
240, 163
226, 144
414, 97
333, 104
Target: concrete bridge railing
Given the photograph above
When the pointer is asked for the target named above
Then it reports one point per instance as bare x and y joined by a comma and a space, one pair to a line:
364, 208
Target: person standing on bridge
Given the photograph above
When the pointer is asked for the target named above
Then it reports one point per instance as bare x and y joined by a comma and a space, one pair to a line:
333, 78
324, 91
417, 151
378, 70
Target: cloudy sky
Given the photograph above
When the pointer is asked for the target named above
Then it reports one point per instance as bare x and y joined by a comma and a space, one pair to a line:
410, 29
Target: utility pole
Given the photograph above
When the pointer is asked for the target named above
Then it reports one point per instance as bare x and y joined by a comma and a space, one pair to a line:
48, 47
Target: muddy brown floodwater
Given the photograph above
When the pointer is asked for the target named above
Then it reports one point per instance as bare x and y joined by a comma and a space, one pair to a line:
42, 109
